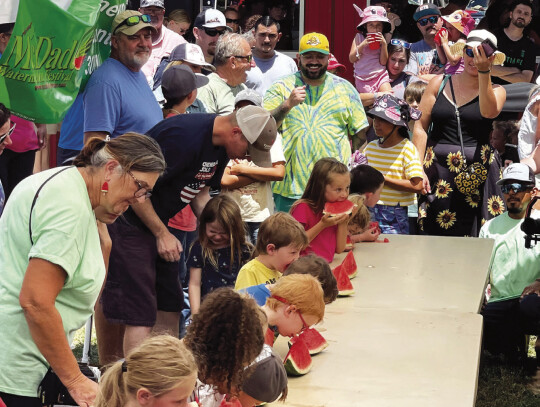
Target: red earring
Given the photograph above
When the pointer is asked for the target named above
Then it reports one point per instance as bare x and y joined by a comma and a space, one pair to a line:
105, 187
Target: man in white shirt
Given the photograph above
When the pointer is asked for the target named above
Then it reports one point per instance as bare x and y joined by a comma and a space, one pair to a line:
270, 65
163, 39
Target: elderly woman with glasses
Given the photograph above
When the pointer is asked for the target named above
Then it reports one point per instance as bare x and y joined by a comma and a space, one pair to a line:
54, 256
461, 168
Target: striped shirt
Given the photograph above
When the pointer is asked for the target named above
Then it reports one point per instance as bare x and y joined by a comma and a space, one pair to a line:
398, 162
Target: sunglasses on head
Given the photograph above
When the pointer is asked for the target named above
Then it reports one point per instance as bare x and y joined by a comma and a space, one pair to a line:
424, 21
212, 32
404, 44
134, 20
232, 20
9, 133
516, 187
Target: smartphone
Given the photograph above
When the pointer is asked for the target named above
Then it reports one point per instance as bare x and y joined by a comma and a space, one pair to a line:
489, 47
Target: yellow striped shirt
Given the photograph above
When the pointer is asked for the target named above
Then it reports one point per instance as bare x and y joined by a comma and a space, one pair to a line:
397, 162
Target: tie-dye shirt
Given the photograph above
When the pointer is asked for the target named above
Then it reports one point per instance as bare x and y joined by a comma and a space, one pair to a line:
319, 127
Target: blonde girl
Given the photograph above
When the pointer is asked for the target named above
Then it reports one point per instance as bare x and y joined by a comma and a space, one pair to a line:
160, 371
329, 182
220, 251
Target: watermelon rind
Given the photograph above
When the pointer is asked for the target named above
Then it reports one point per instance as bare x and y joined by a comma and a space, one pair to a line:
298, 361
349, 265
313, 339
269, 337
338, 207
345, 287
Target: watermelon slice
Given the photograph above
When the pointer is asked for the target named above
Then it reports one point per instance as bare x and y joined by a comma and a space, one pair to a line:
348, 244
298, 361
338, 207
349, 265
269, 337
345, 287
373, 225
314, 341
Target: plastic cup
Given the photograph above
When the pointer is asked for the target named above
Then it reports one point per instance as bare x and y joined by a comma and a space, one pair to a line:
373, 41
437, 38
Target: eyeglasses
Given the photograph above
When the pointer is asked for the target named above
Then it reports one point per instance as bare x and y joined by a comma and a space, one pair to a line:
9, 133
134, 20
469, 52
404, 44
212, 32
424, 21
142, 191
232, 20
516, 187
284, 301
248, 58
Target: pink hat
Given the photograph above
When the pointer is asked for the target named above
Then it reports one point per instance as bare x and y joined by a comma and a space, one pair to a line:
373, 13
461, 21
333, 63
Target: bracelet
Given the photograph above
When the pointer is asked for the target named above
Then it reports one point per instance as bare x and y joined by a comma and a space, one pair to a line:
488, 71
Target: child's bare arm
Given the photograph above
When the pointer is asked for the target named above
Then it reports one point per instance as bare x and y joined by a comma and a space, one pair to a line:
274, 173
341, 236
407, 185
194, 289
383, 57
441, 53
326, 221
230, 181
356, 50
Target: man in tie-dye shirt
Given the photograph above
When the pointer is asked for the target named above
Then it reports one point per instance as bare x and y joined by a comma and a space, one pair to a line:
317, 113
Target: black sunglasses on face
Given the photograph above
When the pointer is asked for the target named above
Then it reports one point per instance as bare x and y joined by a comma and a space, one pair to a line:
9, 133
212, 32
230, 20
469, 52
424, 21
134, 20
516, 187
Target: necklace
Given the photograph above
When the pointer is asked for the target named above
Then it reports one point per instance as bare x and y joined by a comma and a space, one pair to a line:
175, 111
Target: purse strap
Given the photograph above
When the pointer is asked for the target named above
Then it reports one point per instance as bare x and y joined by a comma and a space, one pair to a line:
458, 123
36, 197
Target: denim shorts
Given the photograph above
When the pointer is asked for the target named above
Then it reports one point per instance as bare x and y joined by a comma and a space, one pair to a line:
392, 219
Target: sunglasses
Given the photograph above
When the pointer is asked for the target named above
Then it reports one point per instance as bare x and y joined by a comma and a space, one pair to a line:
231, 20
134, 20
248, 58
469, 52
212, 32
284, 301
9, 133
424, 21
516, 187
142, 191
404, 44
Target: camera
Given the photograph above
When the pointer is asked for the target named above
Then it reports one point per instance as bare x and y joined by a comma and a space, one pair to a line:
531, 226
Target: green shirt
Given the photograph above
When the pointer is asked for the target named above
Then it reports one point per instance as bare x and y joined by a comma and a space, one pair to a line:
316, 128
217, 96
513, 267
64, 232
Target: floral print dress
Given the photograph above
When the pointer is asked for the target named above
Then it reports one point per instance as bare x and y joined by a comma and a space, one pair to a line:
446, 211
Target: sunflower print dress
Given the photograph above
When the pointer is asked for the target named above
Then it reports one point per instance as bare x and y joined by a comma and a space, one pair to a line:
446, 211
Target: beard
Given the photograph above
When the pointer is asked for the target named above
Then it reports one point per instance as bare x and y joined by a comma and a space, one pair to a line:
313, 75
519, 23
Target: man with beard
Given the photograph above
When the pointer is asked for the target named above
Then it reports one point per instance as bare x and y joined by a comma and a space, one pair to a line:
209, 25
317, 113
270, 65
163, 39
513, 307
117, 98
519, 49
424, 61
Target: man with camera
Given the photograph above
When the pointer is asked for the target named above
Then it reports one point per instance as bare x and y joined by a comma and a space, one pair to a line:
520, 51
513, 307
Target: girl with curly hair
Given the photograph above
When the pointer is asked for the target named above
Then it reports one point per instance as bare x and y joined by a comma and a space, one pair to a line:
225, 337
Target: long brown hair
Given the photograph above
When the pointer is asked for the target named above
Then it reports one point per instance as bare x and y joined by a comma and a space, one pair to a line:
320, 177
226, 212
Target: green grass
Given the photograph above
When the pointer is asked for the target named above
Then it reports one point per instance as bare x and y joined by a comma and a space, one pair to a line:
499, 384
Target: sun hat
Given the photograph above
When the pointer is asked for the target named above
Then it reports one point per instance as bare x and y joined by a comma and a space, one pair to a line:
424, 10
211, 18
266, 378
373, 13
475, 38
394, 110
517, 172
191, 53
150, 3
461, 21
260, 130
128, 29
333, 63
179, 81
314, 42
249, 95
